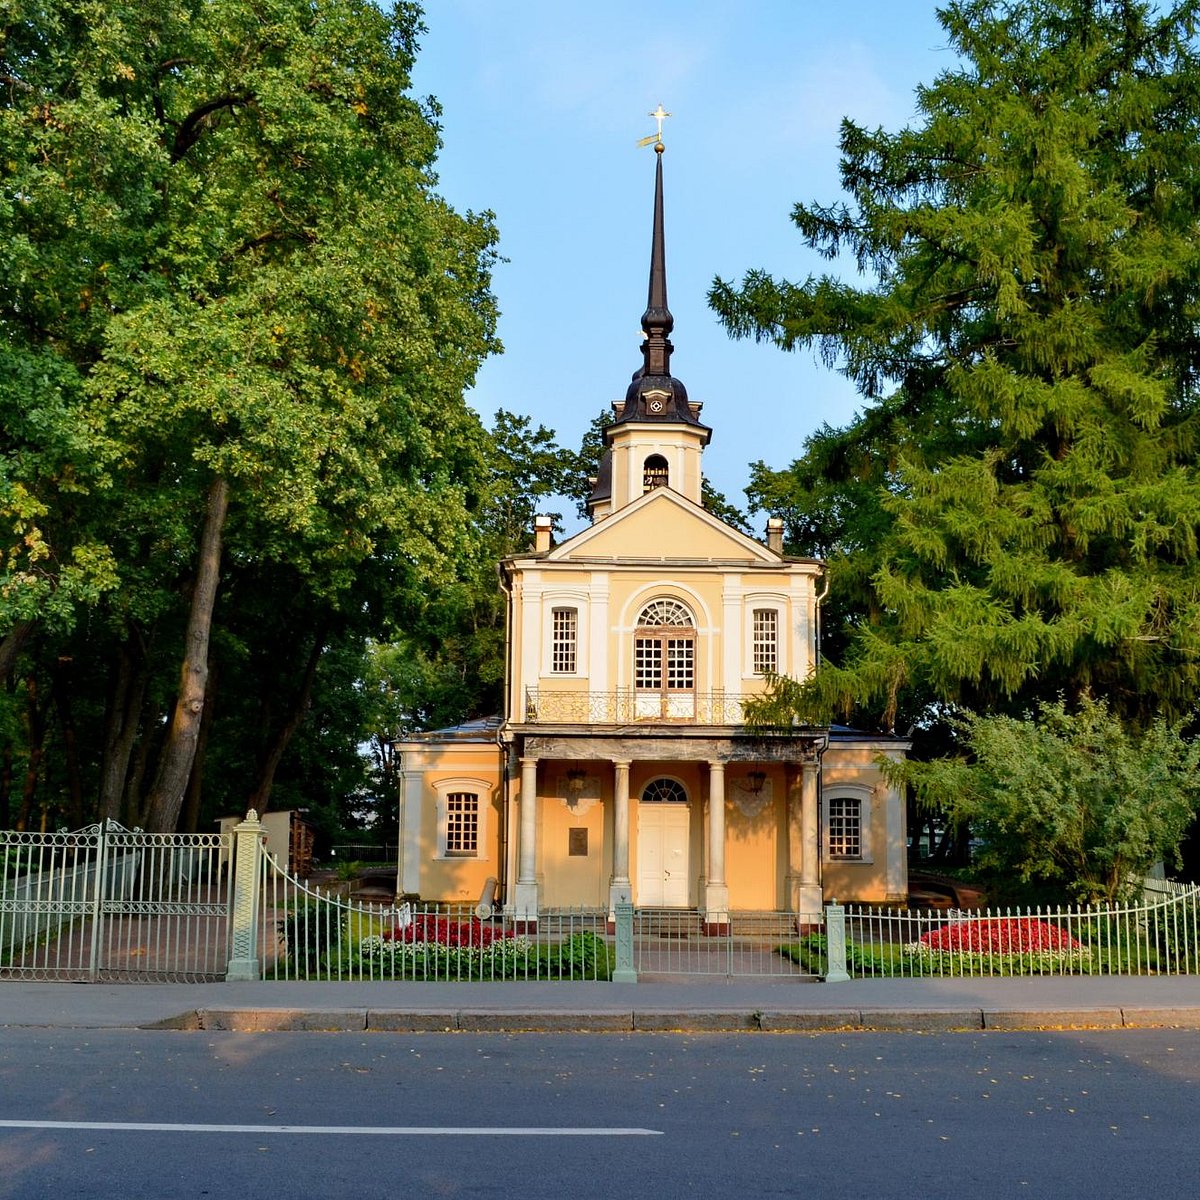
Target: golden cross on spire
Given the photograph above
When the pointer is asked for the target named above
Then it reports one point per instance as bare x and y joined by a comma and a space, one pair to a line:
659, 115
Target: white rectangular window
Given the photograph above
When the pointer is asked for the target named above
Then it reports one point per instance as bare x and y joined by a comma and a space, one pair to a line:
680, 665
765, 641
462, 825
564, 625
845, 827
648, 664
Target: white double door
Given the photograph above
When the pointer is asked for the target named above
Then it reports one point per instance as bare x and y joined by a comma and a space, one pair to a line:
664, 830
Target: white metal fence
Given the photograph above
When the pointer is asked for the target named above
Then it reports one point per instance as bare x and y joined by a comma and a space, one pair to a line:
1158, 936
112, 903
669, 942
308, 933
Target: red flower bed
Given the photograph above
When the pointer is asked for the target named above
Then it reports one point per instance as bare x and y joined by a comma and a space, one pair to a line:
997, 935
426, 927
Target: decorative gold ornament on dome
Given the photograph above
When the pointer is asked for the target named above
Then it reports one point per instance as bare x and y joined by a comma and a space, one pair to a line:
659, 114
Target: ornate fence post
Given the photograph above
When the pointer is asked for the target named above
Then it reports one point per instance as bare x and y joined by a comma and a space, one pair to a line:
835, 943
247, 859
625, 971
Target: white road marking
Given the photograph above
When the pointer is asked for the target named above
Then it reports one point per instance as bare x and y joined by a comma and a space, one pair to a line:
369, 1130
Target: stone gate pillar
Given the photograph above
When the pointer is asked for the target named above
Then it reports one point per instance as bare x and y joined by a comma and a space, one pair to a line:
244, 962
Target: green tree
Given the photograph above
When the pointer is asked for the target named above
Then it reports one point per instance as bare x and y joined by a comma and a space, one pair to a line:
1017, 509
238, 324
448, 664
1071, 798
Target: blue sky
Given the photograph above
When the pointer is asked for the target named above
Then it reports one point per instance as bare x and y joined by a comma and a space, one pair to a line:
543, 106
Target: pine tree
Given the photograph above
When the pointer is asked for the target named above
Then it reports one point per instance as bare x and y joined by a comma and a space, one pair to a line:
1020, 499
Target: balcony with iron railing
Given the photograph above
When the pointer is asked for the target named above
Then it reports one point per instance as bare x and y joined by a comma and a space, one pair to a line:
627, 706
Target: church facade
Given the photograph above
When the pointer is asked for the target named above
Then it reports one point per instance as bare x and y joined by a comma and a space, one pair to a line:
621, 768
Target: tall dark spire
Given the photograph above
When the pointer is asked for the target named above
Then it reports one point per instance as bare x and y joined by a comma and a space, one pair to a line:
657, 321
655, 394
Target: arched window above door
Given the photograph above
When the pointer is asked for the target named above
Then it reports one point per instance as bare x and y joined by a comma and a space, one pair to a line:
664, 791
665, 612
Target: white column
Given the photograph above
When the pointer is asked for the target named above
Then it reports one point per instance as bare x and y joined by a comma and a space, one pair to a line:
526, 906
895, 841
716, 893
808, 900
599, 669
620, 891
412, 789
734, 637
794, 823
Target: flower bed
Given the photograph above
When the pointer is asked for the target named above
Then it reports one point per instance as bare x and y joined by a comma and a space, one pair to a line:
438, 948
428, 927
987, 945
428, 946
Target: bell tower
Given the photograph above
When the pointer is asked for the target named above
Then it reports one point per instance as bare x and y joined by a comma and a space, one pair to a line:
657, 438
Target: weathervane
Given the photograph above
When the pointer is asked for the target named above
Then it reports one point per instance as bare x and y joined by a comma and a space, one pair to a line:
658, 114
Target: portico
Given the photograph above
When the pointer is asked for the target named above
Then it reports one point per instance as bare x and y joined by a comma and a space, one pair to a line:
769, 783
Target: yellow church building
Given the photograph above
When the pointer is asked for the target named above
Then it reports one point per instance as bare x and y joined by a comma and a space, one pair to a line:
621, 769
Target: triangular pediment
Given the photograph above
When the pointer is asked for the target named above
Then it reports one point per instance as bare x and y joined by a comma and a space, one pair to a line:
662, 525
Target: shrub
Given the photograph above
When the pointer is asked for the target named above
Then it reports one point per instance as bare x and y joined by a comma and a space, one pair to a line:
811, 953
581, 956
302, 937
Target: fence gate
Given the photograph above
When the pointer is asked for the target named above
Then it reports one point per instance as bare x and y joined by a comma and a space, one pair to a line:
109, 903
680, 942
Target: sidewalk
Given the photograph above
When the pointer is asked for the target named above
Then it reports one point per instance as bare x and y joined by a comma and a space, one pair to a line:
738, 1006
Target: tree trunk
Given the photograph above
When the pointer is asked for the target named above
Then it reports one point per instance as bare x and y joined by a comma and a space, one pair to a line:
11, 645
62, 684
6, 775
175, 761
122, 721
260, 798
37, 741
195, 789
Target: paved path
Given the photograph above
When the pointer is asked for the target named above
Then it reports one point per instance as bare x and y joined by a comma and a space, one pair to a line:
780, 1005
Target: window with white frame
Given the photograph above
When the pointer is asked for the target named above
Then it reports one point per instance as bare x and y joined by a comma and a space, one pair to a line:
765, 641
463, 804
462, 825
564, 639
845, 827
664, 649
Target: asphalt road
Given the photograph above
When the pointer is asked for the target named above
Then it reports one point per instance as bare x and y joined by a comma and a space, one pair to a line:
979, 1115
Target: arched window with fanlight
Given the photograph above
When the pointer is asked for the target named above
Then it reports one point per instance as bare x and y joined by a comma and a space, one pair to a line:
664, 661
655, 473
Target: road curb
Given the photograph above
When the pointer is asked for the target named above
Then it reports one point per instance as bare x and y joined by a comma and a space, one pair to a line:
1161, 1018
281, 1020
1084, 1018
929, 1020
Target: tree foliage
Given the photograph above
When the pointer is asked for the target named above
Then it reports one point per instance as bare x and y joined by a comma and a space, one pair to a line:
447, 665
1016, 511
1072, 798
238, 322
